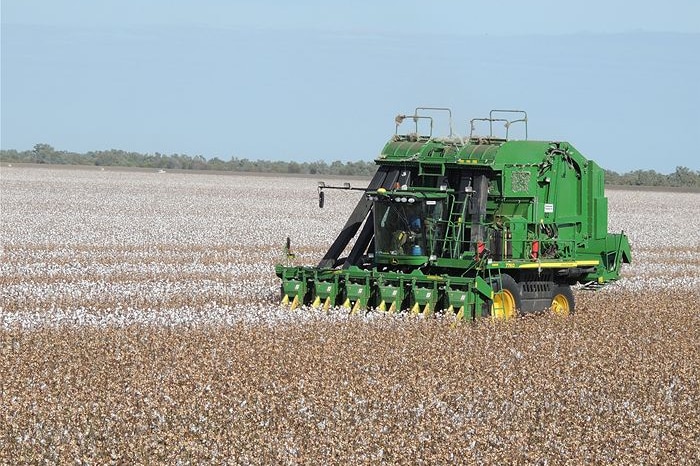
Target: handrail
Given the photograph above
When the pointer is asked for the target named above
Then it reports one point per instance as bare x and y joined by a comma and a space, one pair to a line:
417, 116
507, 122
400, 118
523, 119
439, 109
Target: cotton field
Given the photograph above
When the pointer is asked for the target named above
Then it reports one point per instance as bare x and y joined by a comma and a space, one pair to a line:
138, 324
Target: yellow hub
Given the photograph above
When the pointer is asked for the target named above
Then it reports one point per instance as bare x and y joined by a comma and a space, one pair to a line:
503, 307
560, 305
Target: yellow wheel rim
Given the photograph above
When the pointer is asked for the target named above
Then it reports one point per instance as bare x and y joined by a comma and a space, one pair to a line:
560, 305
503, 307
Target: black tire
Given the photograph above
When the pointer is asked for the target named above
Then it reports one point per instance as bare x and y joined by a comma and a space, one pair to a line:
508, 298
563, 302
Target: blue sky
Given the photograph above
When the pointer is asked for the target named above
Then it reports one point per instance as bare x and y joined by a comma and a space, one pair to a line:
322, 80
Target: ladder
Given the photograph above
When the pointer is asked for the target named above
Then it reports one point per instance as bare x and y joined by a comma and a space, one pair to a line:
455, 227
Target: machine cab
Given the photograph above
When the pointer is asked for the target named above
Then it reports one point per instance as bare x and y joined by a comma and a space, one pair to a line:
408, 226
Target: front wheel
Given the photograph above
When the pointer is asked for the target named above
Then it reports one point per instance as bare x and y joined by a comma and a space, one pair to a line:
563, 301
507, 298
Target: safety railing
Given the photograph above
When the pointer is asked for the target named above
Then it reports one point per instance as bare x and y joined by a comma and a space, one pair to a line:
417, 116
507, 123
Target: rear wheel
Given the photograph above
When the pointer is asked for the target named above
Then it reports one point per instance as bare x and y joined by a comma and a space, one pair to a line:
507, 298
562, 301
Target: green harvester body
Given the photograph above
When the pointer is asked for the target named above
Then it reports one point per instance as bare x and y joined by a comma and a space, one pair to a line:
446, 224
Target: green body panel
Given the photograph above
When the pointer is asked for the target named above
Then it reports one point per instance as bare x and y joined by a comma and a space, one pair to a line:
535, 210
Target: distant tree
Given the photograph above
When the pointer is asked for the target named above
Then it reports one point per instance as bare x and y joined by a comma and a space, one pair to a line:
217, 164
684, 176
43, 153
318, 168
10, 155
612, 177
199, 163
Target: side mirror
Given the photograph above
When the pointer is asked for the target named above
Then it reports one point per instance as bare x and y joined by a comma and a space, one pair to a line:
321, 199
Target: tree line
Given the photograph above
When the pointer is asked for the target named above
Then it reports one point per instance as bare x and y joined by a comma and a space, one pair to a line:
44, 153
682, 177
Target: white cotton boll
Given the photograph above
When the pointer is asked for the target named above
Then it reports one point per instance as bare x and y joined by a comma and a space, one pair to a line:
131, 247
